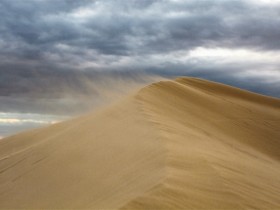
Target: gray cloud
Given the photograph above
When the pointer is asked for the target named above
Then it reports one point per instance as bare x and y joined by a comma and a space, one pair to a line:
130, 27
39, 38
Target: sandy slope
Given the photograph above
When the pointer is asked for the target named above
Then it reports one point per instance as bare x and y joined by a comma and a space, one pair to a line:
189, 144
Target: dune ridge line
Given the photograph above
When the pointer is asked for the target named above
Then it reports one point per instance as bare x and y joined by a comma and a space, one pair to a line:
180, 144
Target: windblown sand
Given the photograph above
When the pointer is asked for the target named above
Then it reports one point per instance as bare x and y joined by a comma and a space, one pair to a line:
183, 144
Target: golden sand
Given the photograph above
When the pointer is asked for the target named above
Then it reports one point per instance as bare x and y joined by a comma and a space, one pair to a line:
183, 144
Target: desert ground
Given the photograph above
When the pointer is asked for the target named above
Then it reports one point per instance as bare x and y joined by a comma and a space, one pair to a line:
177, 144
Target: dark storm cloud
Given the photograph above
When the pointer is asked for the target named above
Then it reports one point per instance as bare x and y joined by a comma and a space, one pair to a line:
45, 37
126, 27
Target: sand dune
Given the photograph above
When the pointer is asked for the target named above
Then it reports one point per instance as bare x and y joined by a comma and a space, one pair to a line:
182, 144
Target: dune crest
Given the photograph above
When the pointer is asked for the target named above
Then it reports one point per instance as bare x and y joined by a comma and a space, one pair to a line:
183, 144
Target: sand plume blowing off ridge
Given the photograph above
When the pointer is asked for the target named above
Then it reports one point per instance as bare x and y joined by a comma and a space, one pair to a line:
183, 144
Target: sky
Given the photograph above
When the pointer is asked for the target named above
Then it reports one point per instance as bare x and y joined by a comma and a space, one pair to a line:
52, 50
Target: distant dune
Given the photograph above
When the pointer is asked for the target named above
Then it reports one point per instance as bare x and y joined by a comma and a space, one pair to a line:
182, 144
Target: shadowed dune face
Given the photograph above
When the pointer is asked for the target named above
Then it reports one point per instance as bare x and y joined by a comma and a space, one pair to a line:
183, 144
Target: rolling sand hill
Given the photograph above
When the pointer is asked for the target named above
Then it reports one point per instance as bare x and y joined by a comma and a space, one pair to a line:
183, 144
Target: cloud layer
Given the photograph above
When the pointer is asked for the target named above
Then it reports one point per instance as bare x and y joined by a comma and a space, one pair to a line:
149, 35
222, 40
